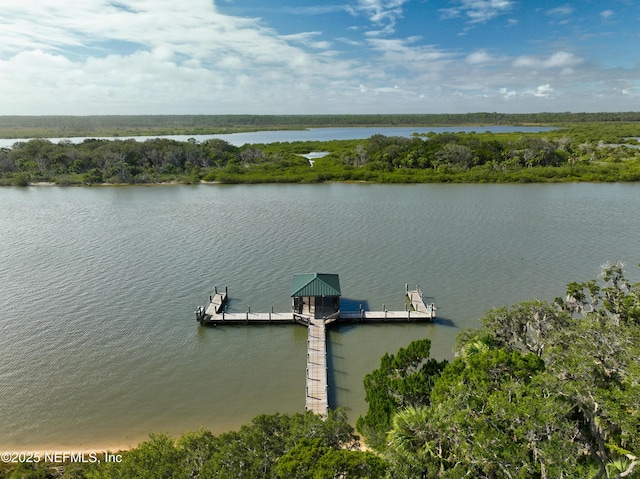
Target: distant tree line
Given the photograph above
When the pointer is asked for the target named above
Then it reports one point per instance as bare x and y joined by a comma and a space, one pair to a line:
125, 125
575, 153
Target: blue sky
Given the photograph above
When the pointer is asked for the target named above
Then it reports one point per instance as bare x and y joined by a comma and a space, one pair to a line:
81, 57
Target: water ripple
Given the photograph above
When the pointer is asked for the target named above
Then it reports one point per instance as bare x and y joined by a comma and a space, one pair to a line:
97, 333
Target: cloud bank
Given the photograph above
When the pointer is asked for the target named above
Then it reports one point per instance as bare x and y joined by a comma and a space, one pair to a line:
161, 57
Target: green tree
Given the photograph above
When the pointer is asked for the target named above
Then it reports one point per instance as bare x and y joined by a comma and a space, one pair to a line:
415, 449
525, 325
404, 379
256, 449
156, 458
490, 416
311, 459
455, 156
540, 391
340, 463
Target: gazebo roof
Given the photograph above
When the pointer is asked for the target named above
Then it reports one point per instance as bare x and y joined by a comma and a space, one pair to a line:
316, 284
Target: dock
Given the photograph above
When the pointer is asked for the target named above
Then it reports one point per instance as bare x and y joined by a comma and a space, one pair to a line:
316, 306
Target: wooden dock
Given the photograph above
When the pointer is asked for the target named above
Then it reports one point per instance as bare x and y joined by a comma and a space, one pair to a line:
317, 386
217, 302
419, 303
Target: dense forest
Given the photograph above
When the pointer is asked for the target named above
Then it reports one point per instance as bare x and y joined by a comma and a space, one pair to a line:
579, 152
152, 125
541, 390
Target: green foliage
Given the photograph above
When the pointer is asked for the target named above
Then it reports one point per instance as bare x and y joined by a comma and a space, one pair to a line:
21, 179
580, 152
25, 470
527, 325
291, 444
403, 380
541, 391
310, 459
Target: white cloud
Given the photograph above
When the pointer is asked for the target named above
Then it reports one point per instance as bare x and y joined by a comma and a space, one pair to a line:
382, 13
562, 11
478, 57
407, 53
542, 91
562, 15
507, 94
557, 60
477, 11
306, 38
606, 14
177, 59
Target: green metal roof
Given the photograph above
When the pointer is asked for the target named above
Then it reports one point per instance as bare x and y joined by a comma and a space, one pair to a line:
316, 284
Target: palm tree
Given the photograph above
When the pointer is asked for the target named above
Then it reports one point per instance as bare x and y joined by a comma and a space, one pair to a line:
413, 441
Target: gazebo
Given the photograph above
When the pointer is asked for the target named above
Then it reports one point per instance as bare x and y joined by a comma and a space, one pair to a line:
316, 294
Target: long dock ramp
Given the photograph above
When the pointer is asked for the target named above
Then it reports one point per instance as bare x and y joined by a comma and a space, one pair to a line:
317, 382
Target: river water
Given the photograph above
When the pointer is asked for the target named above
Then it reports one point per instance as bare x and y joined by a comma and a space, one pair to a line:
312, 134
98, 340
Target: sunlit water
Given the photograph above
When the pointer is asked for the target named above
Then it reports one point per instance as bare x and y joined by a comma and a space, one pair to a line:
312, 134
98, 340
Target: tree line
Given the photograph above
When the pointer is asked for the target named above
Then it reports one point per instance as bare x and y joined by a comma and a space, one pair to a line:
576, 153
125, 125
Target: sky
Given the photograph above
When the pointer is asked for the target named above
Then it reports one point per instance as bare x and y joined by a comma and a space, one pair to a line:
129, 57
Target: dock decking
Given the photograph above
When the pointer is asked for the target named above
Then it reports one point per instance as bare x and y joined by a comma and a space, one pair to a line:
419, 303
317, 384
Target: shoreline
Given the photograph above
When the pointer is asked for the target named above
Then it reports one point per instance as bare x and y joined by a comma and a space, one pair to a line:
99, 449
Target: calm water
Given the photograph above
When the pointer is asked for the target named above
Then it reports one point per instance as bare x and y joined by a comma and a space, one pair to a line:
313, 134
98, 340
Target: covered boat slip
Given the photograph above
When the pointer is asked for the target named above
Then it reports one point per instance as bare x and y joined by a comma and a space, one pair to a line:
316, 304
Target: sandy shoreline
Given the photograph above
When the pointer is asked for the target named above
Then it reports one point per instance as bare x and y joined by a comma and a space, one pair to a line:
51, 449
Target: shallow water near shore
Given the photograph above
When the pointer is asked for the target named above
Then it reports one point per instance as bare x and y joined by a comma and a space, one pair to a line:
99, 343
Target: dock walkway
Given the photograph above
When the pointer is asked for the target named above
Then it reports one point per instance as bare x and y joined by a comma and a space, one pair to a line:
419, 303
317, 385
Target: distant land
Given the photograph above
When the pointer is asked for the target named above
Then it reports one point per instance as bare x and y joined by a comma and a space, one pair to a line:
142, 125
